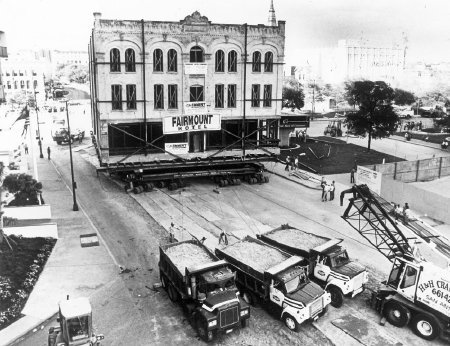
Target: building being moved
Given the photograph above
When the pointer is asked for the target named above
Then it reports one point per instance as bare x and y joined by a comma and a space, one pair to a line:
187, 90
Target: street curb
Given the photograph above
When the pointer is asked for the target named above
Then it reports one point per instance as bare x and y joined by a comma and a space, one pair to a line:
423, 144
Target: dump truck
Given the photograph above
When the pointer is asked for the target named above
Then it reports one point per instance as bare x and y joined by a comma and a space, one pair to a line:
75, 325
329, 263
417, 292
205, 286
334, 128
276, 280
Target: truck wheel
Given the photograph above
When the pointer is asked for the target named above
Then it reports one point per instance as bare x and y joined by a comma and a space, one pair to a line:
290, 322
337, 297
203, 332
163, 281
426, 327
244, 323
173, 294
397, 314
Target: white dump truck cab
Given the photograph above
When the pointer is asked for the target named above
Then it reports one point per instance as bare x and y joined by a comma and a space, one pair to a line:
298, 298
342, 275
75, 325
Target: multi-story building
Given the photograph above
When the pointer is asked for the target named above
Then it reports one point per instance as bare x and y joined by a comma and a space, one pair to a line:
23, 73
192, 87
3, 54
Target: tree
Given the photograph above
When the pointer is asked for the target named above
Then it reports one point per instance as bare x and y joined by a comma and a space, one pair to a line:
293, 96
73, 73
403, 97
26, 190
375, 116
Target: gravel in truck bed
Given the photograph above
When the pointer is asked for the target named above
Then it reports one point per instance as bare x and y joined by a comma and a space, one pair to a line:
295, 238
188, 255
257, 256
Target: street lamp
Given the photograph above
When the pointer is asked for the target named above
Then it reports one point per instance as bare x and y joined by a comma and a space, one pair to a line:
74, 184
37, 115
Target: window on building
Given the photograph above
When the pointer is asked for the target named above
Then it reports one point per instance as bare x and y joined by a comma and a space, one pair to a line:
14, 73
267, 99
28, 84
219, 93
173, 96
131, 96
220, 61
196, 54
255, 95
116, 96
159, 96
172, 60
256, 62
158, 60
232, 61
35, 84
268, 62
20, 73
114, 60
8, 84
130, 60
22, 84
8, 74
15, 84
196, 93
231, 96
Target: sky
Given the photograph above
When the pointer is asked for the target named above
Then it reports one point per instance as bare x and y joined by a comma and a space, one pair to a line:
310, 24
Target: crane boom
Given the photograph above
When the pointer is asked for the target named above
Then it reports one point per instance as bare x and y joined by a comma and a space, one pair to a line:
367, 214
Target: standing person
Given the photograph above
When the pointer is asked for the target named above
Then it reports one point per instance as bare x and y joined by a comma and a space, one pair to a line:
288, 162
326, 191
223, 237
80, 139
296, 163
323, 184
26, 149
405, 213
48, 152
332, 188
352, 176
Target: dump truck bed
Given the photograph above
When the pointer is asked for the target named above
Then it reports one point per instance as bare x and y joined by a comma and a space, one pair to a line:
252, 256
187, 254
293, 240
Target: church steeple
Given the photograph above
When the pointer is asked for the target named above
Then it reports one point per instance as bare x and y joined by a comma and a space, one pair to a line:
272, 21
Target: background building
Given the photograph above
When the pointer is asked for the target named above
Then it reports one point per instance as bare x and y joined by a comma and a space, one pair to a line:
3, 54
186, 85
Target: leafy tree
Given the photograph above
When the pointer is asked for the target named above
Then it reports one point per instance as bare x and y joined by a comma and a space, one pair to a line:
293, 96
24, 187
375, 117
73, 73
403, 97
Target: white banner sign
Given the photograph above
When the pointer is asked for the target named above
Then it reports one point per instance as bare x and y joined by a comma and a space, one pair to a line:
195, 107
369, 177
177, 148
188, 123
195, 68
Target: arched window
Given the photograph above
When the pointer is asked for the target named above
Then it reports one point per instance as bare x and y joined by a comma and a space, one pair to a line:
130, 60
196, 54
220, 61
114, 60
158, 60
268, 62
232, 61
256, 62
172, 60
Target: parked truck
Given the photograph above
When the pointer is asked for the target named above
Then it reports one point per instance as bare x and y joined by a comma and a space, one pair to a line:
205, 286
329, 263
75, 325
277, 280
416, 292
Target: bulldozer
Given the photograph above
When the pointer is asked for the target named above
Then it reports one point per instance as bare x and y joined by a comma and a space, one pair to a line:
75, 325
333, 128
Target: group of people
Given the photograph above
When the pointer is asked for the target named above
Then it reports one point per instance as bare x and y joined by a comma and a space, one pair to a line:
411, 125
327, 189
292, 162
444, 144
403, 213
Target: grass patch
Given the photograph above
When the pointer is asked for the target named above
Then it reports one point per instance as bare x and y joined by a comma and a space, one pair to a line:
328, 155
19, 270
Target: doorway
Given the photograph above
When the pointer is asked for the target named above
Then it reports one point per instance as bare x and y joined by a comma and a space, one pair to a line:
196, 142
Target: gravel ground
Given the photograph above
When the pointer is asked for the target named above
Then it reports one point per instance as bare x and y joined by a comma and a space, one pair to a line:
188, 255
297, 238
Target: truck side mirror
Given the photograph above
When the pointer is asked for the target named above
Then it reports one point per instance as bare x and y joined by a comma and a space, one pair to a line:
58, 319
51, 330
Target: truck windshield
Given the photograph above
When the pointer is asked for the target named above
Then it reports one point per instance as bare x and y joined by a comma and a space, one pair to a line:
294, 284
216, 287
340, 259
78, 328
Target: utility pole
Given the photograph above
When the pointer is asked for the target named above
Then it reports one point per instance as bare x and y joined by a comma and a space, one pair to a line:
313, 100
37, 116
74, 184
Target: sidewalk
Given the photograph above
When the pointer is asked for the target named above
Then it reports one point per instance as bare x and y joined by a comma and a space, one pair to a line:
70, 270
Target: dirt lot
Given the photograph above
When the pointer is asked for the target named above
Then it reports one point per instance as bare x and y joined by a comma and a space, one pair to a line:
19, 270
327, 155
